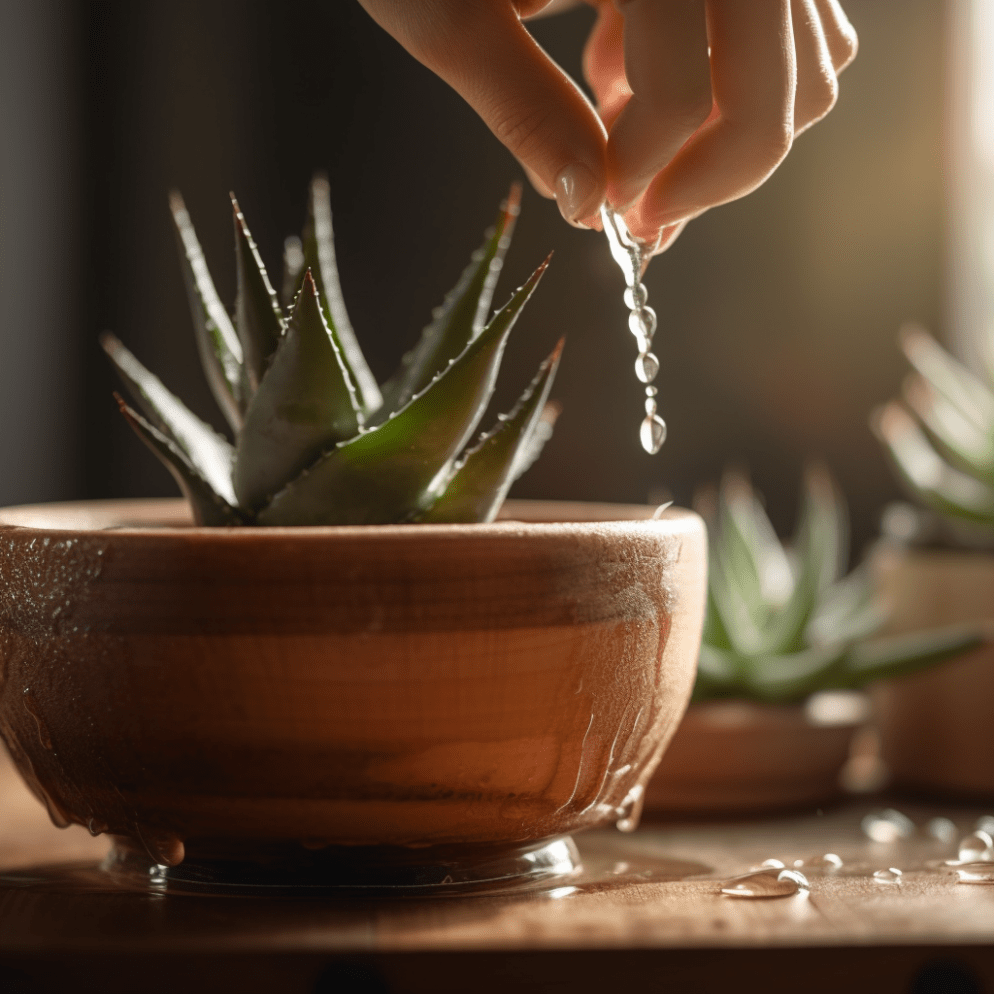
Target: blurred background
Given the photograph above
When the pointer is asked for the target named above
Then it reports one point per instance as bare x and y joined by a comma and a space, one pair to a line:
778, 313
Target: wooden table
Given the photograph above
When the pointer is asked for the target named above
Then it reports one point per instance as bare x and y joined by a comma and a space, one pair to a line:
648, 911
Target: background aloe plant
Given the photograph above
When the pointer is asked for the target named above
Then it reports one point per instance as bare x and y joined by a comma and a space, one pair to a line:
784, 622
940, 436
316, 439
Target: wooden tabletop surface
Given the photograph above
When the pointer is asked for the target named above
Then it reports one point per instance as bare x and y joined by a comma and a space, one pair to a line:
654, 892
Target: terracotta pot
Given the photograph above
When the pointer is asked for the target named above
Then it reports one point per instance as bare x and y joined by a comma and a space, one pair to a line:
266, 693
739, 757
937, 727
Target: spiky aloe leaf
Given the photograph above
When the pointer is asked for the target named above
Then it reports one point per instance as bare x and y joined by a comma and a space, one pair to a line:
793, 676
207, 453
217, 343
532, 446
955, 436
319, 257
483, 475
821, 545
305, 404
392, 472
900, 655
459, 319
926, 474
258, 319
209, 508
952, 379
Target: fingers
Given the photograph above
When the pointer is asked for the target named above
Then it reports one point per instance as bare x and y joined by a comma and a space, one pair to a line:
484, 52
604, 63
817, 86
666, 66
840, 35
753, 78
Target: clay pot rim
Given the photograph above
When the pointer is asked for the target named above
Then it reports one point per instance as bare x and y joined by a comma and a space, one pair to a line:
531, 518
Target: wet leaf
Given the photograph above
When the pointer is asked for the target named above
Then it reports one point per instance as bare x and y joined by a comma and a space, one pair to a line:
482, 477
209, 508
204, 449
319, 257
258, 319
217, 343
459, 319
393, 472
304, 405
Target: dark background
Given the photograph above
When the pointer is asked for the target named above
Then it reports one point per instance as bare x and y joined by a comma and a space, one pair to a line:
778, 313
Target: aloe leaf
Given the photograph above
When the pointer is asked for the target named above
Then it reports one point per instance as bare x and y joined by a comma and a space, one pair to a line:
217, 343
848, 611
204, 449
257, 310
394, 471
717, 674
461, 316
821, 545
926, 474
954, 435
532, 446
209, 507
903, 654
793, 676
305, 404
952, 379
319, 257
482, 477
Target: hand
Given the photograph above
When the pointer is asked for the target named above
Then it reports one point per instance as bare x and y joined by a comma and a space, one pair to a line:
703, 98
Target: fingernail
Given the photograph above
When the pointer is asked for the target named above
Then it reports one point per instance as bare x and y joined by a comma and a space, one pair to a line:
575, 186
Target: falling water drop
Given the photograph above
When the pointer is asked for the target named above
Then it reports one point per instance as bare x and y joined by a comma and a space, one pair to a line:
646, 367
642, 324
652, 434
766, 883
892, 875
636, 296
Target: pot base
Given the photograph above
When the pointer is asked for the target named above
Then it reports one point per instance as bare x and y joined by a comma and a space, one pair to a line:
279, 869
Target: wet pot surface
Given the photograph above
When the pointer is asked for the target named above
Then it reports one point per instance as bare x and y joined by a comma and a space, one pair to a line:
238, 691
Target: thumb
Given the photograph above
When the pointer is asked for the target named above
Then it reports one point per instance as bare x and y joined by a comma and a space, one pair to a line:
483, 51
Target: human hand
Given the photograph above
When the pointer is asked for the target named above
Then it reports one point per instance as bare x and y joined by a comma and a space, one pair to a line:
702, 98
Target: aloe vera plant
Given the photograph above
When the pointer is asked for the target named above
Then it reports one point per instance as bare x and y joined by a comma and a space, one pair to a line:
316, 439
784, 622
940, 436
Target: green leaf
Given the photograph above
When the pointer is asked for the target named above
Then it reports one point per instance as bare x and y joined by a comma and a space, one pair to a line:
209, 508
461, 316
305, 404
821, 547
258, 319
319, 257
903, 654
532, 446
948, 376
482, 477
953, 435
793, 676
926, 474
394, 471
218, 345
204, 449
717, 675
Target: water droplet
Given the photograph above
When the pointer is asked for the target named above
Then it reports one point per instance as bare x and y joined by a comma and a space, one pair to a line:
650, 405
630, 810
652, 434
985, 823
164, 848
96, 827
772, 864
646, 367
651, 391
766, 883
827, 861
636, 296
976, 873
976, 846
887, 826
642, 324
943, 829
892, 875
